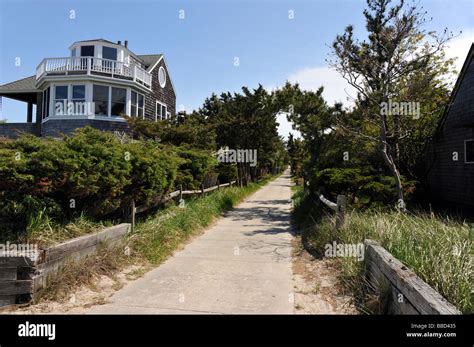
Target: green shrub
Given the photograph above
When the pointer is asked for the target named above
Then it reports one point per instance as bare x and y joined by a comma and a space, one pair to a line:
88, 173
197, 167
363, 189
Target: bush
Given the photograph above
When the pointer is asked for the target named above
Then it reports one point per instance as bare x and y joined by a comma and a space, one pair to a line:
363, 189
90, 172
197, 167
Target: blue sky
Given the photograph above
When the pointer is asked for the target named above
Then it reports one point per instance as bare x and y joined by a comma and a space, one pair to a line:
200, 49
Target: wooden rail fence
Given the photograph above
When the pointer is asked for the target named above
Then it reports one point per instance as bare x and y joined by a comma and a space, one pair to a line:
133, 210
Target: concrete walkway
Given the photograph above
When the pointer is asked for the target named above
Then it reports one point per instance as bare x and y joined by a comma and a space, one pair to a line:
242, 264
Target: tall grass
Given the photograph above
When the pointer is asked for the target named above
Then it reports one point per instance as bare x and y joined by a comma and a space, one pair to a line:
437, 249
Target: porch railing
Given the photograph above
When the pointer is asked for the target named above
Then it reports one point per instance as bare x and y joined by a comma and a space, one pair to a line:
91, 65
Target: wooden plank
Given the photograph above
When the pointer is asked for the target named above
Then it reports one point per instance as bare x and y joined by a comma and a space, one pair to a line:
76, 244
328, 203
423, 297
174, 194
397, 307
16, 287
30, 260
8, 273
210, 189
7, 300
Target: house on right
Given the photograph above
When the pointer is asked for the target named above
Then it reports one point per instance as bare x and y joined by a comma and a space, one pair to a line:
451, 153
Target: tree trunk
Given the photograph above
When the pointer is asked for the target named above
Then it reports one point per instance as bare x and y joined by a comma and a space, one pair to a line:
391, 164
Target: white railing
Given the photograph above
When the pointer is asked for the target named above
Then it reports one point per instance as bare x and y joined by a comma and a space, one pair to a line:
90, 65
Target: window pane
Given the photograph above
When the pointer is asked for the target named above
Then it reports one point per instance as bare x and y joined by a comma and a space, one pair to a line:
87, 51
73, 52
101, 99
78, 92
133, 111
163, 112
119, 96
470, 151
109, 53
61, 92
134, 98
140, 100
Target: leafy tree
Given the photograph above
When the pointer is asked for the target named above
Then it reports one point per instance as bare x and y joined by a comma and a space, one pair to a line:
376, 67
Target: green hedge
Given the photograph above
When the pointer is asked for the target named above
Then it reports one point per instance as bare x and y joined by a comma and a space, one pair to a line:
90, 172
363, 189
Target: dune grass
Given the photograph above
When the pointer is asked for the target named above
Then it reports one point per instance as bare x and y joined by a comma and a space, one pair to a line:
437, 249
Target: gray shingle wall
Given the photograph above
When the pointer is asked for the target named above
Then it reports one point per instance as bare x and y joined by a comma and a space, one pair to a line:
449, 180
165, 95
55, 128
13, 130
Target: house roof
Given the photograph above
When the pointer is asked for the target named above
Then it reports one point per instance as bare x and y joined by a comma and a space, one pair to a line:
25, 85
465, 66
100, 40
150, 59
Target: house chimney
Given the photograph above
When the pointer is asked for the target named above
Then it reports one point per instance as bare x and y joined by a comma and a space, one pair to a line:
119, 42
125, 43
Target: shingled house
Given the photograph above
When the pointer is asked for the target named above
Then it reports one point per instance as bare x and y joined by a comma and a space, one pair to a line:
451, 167
99, 83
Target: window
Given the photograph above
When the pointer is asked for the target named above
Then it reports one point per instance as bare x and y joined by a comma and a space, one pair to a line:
161, 110
73, 52
137, 103
87, 51
79, 99
100, 97
119, 97
162, 76
133, 110
469, 151
60, 99
109, 53
46, 103
140, 106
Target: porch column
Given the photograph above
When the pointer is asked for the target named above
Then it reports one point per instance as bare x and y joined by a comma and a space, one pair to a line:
29, 116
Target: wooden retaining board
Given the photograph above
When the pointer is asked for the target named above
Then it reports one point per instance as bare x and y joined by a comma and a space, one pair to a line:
421, 297
28, 272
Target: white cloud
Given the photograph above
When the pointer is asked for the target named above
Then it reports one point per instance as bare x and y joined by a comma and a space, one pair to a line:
336, 88
459, 47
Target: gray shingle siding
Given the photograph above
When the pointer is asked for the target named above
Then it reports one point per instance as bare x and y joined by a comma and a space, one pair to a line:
165, 95
449, 180
55, 128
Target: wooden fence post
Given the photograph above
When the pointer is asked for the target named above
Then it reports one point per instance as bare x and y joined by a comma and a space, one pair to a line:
180, 192
202, 190
218, 185
131, 215
341, 209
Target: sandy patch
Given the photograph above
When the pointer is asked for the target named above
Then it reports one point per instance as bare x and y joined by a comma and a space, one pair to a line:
316, 285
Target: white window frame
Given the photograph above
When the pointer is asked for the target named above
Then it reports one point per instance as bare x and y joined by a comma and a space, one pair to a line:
136, 103
109, 101
55, 99
465, 151
156, 110
160, 69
